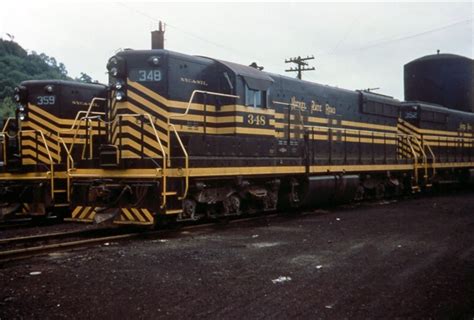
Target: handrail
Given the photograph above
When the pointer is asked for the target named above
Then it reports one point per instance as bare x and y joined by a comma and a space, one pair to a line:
434, 158
51, 162
178, 115
5, 126
186, 163
69, 168
425, 158
415, 157
358, 131
183, 149
76, 119
4, 145
291, 105
162, 149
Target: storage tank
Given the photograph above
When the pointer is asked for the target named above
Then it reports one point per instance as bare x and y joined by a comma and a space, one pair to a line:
445, 79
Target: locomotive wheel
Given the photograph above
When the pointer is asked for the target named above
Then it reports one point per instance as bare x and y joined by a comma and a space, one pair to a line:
232, 204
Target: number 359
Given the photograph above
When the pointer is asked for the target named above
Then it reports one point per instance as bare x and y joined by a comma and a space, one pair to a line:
46, 100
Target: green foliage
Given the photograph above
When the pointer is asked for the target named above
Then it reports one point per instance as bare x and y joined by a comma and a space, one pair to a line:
7, 108
17, 65
85, 78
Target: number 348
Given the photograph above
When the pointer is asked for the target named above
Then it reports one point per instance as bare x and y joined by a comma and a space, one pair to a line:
149, 75
257, 120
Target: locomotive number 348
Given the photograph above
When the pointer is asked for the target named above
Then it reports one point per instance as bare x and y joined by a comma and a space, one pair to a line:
257, 120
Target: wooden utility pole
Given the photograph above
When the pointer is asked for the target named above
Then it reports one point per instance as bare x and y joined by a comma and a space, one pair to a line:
301, 65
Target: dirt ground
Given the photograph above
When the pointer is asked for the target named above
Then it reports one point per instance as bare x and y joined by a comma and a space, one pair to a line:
407, 259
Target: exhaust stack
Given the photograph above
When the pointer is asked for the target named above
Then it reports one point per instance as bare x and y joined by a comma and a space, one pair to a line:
158, 37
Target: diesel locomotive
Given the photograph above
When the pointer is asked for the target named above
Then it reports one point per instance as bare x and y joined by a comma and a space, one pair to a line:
187, 137
36, 144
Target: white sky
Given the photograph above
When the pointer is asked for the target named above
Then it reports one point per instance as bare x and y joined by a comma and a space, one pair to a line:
356, 45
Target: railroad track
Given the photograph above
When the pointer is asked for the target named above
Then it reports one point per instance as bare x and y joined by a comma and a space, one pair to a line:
14, 224
36, 245
28, 246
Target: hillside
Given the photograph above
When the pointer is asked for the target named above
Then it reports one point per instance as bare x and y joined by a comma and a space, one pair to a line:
17, 65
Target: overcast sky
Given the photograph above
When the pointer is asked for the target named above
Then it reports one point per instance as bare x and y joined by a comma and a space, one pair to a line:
355, 45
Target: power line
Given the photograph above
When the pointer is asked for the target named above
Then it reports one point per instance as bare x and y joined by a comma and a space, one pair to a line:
157, 19
400, 38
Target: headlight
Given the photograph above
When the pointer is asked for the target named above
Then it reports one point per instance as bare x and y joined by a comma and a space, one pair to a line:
17, 97
21, 116
21, 108
114, 71
49, 88
118, 85
155, 60
119, 95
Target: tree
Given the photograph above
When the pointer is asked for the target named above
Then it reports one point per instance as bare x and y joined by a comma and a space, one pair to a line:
85, 78
7, 108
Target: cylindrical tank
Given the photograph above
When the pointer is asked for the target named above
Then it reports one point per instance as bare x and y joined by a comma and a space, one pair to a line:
444, 79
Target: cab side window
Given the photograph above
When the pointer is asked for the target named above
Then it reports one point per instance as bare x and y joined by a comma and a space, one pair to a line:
255, 98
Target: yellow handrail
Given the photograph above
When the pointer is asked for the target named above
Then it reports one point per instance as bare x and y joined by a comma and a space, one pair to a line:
77, 119
50, 157
4, 145
186, 163
162, 149
434, 158
69, 168
5, 126
425, 158
415, 157
211, 93
183, 149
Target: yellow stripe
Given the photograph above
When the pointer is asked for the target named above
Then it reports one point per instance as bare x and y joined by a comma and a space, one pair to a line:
128, 214
148, 215
229, 171
138, 214
174, 211
150, 105
31, 144
52, 117
52, 145
257, 131
157, 122
408, 125
440, 132
318, 120
33, 154
133, 222
76, 211
137, 149
196, 106
366, 125
85, 212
